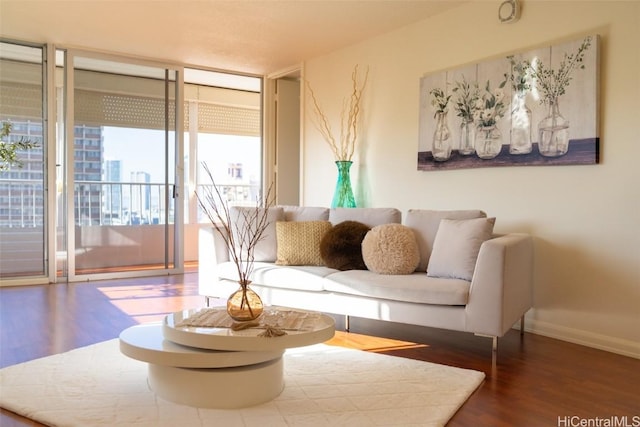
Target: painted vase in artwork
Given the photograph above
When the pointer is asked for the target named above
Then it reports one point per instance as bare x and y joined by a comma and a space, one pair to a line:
553, 132
488, 141
520, 126
467, 138
441, 149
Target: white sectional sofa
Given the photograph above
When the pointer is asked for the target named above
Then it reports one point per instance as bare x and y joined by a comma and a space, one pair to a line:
497, 295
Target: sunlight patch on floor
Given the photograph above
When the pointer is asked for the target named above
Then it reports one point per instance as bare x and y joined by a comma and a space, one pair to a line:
150, 303
369, 343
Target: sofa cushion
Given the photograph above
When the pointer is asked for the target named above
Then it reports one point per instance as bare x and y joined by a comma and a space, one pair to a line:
305, 213
390, 249
341, 247
416, 287
306, 278
456, 247
368, 216
243, 218
298, 242
425, 224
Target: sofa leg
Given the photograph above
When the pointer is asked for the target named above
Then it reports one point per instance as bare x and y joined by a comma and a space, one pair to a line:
346, 323
494, 344
494, 355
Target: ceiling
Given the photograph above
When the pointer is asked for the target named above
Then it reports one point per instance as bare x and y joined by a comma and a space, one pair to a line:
249, 36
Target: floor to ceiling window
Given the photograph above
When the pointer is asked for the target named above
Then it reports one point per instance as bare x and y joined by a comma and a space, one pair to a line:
223, 131
23, 211
127, 143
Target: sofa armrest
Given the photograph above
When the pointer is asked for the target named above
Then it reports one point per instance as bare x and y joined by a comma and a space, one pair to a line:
211, 246
211, 252
502, 285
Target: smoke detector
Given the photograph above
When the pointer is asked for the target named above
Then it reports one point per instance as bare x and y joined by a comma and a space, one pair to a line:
509, 11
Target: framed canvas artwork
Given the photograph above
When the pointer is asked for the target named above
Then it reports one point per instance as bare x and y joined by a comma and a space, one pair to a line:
538, 107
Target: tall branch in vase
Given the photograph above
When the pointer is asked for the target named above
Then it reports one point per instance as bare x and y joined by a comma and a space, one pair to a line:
344, 148
241, 235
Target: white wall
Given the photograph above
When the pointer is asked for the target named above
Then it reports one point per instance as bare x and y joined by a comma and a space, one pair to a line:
585, 219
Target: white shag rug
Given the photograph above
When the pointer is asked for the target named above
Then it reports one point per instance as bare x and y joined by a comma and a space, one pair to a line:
324, 386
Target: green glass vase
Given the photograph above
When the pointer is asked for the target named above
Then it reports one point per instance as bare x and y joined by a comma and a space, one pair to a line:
343, 196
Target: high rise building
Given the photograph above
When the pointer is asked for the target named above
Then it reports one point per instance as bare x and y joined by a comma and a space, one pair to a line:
88, 154
22, 198
22, 201
112, 198
140, 197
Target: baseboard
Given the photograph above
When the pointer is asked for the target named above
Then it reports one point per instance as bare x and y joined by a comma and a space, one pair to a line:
586, 338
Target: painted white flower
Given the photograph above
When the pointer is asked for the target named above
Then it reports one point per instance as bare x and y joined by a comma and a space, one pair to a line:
490, 106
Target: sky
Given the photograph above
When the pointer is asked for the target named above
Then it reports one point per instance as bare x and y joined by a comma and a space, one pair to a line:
143, 150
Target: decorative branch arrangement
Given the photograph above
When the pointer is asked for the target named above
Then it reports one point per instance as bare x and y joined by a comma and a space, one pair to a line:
9, 150
439, 101
344, 149
553, 83
519, 75
465, 101
241, 235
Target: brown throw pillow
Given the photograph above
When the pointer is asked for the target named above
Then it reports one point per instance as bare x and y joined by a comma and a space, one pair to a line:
341, 247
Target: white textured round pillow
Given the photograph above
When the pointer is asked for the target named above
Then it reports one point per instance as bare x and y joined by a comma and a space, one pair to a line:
391, 249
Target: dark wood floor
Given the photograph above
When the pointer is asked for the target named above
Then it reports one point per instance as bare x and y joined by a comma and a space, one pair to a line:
535, 381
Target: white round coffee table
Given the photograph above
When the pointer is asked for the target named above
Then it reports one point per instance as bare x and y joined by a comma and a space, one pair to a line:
217, 367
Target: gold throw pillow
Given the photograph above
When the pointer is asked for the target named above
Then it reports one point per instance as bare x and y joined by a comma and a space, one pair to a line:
298, 242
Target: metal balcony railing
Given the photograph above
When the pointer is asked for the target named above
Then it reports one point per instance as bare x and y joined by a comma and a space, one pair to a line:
22, 202
122, 203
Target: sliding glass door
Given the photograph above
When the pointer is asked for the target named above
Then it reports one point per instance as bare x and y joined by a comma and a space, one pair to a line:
121, 163
103, 193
